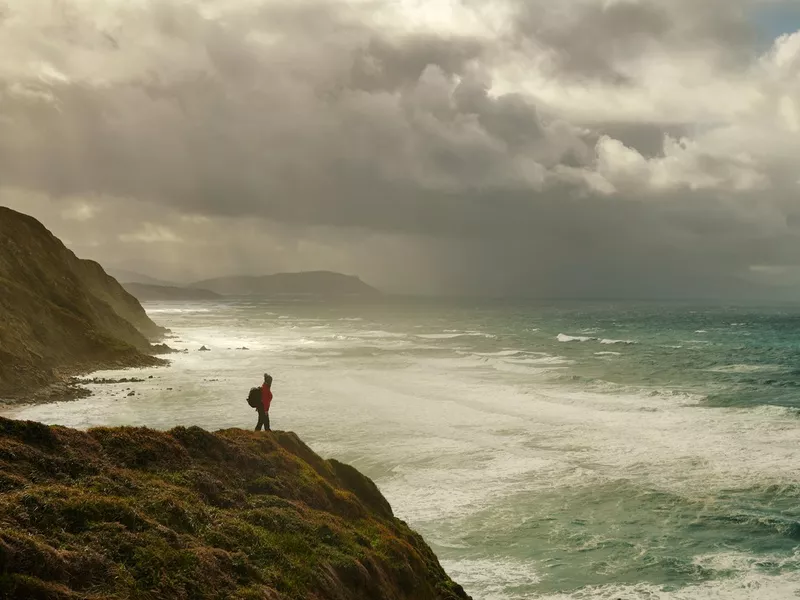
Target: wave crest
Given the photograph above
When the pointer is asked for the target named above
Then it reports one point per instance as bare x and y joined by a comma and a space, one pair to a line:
562, 337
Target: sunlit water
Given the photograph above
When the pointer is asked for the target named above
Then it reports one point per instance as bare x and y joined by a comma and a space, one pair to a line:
544, 452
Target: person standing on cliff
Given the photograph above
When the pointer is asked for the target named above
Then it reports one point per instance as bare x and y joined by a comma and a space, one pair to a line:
266, 401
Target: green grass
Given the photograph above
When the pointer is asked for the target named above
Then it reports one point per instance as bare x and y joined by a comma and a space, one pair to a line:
187, 514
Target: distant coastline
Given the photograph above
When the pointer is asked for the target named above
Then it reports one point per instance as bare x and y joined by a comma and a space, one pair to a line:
314, 283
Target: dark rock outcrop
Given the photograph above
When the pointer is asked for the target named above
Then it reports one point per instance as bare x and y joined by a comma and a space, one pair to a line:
125, 304
136, 513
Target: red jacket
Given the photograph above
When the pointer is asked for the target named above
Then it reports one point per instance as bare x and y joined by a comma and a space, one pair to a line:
266, 397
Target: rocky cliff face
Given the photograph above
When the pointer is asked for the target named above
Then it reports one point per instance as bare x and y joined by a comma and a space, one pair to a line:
58, 313
135, 513
125, 304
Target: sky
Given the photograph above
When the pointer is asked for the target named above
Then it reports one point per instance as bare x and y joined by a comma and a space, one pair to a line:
581, 148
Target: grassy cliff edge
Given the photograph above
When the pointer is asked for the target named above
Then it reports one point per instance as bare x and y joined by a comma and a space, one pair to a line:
136, 513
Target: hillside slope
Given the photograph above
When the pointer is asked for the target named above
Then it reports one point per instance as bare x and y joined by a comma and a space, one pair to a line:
311, 283
60, 314
149, 293
135, 513
125, 304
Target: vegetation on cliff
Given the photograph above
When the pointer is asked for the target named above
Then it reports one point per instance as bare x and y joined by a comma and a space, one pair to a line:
60, 314
135, 513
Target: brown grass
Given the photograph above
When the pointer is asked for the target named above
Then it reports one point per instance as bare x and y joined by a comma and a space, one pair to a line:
135, 513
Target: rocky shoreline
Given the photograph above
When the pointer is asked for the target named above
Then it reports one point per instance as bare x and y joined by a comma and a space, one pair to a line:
66, 384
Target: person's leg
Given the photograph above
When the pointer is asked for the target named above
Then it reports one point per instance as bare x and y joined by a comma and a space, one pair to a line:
260, 419
266, 421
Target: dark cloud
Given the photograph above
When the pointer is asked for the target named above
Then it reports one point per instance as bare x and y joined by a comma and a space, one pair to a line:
179, 132
390, 64
589, 39
605, 40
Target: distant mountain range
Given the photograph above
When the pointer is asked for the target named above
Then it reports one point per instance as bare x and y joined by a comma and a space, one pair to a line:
311, 283
308, 283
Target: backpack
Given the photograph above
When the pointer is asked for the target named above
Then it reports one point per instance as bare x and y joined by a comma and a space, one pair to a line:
254, 397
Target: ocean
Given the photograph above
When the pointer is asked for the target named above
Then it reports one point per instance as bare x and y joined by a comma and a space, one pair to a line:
544, 450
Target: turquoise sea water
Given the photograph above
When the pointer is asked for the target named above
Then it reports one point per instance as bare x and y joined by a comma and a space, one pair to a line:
563, 450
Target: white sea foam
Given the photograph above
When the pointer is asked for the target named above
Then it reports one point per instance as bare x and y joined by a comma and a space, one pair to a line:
501, 353
562, 337
748, 369
741, 578
177, 311
378, 334
540, 360
453, 335
509, 361
450, 437
492, 577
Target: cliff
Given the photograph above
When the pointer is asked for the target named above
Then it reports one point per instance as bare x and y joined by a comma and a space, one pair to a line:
148, 292
312, 283
125, 304
60, 314
135, 513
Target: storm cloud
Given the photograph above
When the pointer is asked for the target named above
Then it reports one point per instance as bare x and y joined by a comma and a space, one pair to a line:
590, 148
